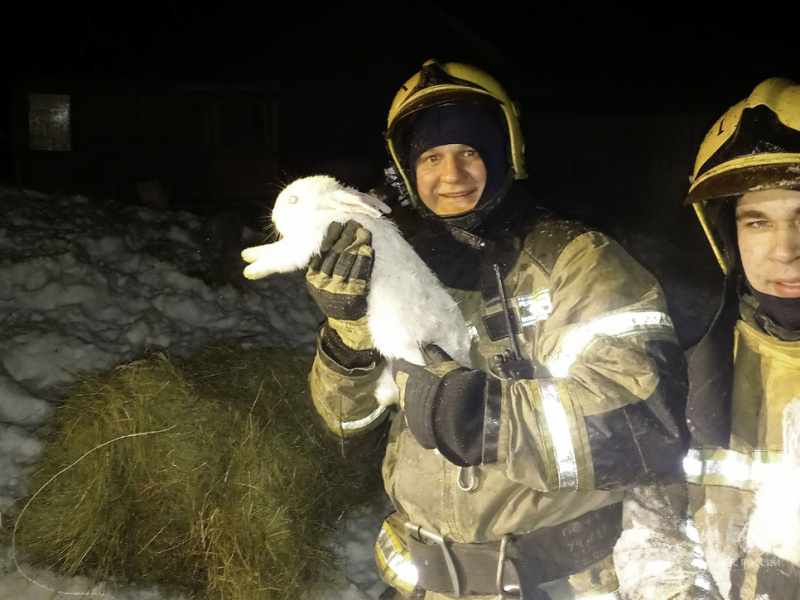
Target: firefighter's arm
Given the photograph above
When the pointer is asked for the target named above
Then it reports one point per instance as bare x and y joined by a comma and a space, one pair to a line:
605, 410
346, 366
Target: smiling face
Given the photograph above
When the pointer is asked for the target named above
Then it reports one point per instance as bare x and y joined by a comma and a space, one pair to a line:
450, 178
768, 230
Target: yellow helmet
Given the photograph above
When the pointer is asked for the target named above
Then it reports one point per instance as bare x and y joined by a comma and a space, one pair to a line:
442, 83
754, 146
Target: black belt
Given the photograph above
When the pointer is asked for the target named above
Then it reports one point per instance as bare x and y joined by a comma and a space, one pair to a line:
517, 564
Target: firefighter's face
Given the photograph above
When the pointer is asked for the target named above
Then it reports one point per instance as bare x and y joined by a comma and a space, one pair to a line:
450, 178
768, 230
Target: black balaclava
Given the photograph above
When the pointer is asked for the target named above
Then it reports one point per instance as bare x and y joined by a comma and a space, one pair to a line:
783, 312
467, 124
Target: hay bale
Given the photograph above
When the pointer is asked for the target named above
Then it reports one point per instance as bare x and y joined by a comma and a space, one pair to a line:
206, 477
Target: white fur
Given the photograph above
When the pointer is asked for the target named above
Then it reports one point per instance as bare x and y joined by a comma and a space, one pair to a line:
775, 524
407, 306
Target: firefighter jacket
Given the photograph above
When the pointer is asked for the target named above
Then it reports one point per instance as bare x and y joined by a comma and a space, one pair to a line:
691, 540
599, 415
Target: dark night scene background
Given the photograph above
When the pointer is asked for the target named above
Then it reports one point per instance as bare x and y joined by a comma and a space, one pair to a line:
141, 147
614, 99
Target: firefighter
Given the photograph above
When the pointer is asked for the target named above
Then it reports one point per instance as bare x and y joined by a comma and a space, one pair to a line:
505, 478
743, 373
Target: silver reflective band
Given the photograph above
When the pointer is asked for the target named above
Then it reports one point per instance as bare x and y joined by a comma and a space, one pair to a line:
402, 568
688, 529
534, 307
718, 466
615, 324
699, 566
364, 421
558, 426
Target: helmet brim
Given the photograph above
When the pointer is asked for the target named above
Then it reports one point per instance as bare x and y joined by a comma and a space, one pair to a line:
744, 179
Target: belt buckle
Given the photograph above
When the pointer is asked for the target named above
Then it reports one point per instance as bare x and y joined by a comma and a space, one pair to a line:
448, 555
513, 591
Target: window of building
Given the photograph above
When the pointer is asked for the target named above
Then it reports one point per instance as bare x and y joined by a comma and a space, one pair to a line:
49, 122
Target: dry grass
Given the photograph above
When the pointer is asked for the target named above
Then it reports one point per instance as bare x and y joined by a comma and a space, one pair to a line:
206, 477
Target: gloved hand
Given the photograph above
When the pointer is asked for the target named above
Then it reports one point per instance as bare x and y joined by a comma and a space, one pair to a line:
450, 408
338, 280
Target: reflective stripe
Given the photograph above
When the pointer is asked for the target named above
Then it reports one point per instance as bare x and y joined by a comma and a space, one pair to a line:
394, 560
718, 466
534, 307
558, 426
699, 566
616, 324
688, 529
363, 422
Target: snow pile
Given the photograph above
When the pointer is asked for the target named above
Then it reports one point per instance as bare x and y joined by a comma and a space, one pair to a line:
85, 285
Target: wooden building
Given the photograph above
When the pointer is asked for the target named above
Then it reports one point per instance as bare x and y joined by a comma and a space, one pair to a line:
197, 147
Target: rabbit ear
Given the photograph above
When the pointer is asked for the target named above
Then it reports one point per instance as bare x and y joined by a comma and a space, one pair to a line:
360, 202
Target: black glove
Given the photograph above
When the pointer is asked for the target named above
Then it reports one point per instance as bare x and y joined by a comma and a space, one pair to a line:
338, 280
446, 405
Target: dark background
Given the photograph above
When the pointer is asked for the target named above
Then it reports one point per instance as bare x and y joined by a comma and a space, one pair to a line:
615, 99
340, 63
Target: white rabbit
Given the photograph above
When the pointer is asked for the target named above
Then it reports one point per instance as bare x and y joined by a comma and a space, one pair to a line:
407, 306
774, 526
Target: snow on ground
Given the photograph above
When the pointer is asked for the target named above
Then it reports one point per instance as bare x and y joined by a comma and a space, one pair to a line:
83, 287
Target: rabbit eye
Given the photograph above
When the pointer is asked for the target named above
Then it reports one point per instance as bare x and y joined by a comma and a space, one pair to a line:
293, 199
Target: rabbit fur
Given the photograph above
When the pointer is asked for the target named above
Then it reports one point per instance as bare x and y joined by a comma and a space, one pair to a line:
407, 306
774, 526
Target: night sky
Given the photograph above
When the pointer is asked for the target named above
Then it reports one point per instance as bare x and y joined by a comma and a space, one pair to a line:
583, 56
